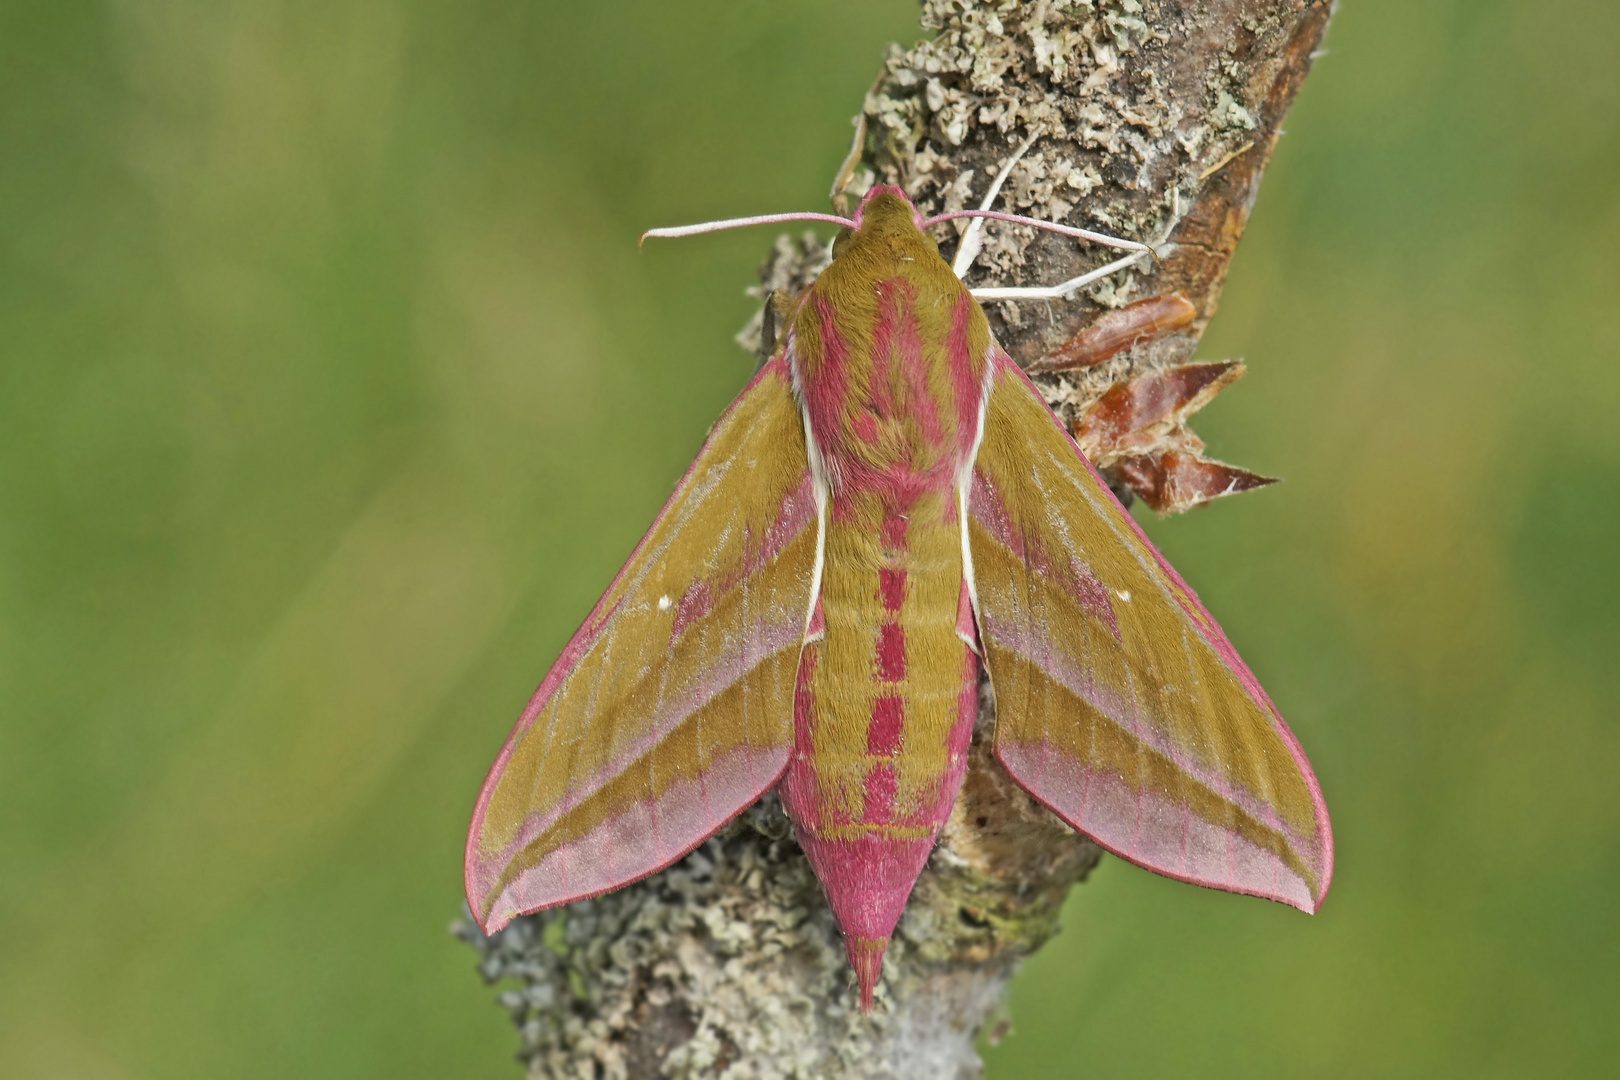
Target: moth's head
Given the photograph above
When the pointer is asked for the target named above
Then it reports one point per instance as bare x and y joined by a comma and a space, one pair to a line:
885, 206
885, 216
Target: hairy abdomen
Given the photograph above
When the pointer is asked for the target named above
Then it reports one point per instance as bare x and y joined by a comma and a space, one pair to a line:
886, 703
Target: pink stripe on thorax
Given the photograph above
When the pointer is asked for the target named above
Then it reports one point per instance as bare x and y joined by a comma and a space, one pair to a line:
967, 375
893, 534
852, 412
896, 342
826, 385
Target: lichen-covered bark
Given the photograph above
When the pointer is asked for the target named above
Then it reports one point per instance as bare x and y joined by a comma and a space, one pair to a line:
1156, 121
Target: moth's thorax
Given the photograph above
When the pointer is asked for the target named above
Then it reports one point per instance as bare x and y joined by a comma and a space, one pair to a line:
890, 353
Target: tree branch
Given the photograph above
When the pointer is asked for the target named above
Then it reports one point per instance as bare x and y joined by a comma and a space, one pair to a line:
1155, 122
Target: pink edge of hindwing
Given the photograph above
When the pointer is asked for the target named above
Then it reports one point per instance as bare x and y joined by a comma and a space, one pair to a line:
1216, 637
1100, 804
771, 639
630, 839
577, 646
1072, 677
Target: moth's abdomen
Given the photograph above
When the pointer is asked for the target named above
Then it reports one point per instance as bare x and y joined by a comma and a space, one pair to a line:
884, 711
881, 695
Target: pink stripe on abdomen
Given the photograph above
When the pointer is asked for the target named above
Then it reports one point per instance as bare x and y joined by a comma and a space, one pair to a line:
891, 653
892, 587
888, 717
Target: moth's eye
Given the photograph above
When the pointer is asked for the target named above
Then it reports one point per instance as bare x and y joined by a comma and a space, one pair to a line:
841, 241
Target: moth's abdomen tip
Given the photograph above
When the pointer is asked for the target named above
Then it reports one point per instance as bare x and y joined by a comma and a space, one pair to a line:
866, 957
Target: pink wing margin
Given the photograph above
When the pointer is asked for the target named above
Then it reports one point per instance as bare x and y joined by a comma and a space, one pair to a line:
1121, 704
670, 710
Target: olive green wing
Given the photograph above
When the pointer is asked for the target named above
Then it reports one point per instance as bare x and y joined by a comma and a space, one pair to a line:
671, 710
1120, 704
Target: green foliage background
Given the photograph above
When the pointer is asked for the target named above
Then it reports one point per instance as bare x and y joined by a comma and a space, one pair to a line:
333, 389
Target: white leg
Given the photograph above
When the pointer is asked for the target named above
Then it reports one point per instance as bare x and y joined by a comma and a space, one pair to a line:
973, 240
1063, 291
841, 198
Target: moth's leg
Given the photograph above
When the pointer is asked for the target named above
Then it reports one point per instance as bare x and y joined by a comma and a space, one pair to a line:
767, 330
1066, 289
778, 314
843, 183
775, 317
973, 239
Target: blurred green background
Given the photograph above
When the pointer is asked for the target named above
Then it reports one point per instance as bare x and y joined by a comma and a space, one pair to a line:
333, 389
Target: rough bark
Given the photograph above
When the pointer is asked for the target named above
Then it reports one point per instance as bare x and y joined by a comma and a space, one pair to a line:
1157, 120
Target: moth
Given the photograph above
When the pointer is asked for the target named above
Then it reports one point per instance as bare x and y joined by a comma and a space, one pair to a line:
888, 508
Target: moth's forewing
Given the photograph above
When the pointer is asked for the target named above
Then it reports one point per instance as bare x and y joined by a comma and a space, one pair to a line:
1119, 702
671, 710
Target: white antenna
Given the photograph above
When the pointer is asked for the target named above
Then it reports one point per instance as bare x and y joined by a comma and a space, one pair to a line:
738, 223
